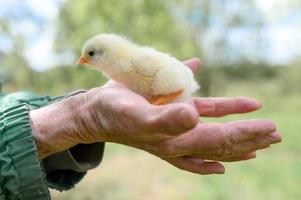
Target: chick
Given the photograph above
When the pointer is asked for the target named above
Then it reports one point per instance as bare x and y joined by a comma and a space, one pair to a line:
156, 76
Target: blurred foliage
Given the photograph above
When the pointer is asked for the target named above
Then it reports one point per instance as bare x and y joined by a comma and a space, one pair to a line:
181, 27
144, 21
185, 28
290, 80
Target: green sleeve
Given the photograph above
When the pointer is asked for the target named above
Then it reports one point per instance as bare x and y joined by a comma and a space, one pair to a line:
21, 175
60, 171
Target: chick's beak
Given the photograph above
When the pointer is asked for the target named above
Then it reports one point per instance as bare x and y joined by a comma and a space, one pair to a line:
82, 60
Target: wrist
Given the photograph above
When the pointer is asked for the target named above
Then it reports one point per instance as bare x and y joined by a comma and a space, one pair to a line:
52, 129
89, 117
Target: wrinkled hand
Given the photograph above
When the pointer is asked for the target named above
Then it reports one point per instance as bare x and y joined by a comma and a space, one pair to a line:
173, 132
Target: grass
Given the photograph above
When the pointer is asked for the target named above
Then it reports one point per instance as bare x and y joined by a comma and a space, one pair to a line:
275, 174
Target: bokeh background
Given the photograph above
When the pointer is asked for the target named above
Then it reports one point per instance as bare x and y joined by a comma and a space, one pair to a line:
247, 48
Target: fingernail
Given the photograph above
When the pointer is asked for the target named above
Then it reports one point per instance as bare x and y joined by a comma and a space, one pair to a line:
251, 103
276, 138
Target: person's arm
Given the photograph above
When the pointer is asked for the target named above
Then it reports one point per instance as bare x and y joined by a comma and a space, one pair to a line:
22, 174
65, 169
173, 132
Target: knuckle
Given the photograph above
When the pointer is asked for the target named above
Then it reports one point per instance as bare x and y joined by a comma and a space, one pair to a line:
228, 145
157, 122
125, 106
223, 134
152, 122
168, 150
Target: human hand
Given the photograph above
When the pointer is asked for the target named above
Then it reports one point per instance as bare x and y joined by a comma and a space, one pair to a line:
173, 132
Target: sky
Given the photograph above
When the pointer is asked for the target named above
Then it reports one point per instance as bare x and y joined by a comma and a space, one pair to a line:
38, 29
283, 31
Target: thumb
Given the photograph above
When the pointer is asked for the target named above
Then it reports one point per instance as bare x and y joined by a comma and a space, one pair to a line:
193, 64
197, 165
173, 119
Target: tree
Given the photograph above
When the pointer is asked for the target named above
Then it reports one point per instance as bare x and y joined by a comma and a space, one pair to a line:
147, 22
213, 24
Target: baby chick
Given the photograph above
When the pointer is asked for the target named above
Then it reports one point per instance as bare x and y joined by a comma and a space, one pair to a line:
156, 76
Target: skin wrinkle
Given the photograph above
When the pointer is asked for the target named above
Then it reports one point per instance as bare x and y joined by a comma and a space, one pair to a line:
47, 143
95, 117
101, 126
214, 110
211, 106
75, 105
83, 134
244, 130
79, 125
224, 106
121, 118
229, 142
263, 143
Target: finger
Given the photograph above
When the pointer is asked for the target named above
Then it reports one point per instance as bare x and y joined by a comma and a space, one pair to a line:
218, 107
243, 157
245, 147
172, 119
243, 130
258, 143
275, 137
215, 135
197, 165
219, 139
193, 64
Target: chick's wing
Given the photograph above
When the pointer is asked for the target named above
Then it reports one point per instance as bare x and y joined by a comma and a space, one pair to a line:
148, 62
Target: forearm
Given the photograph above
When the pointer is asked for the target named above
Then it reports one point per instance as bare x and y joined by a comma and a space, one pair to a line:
65, 159
59, 126
51, 129
35, 124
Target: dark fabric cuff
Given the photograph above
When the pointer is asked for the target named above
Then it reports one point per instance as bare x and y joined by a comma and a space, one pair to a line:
65, 169
23, 176
79, 158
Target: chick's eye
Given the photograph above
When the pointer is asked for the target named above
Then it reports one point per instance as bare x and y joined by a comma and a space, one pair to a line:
91, 53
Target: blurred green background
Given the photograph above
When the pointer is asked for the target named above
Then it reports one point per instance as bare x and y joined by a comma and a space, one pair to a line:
247, 48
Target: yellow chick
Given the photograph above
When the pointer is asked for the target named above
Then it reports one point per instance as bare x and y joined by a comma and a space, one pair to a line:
156, 76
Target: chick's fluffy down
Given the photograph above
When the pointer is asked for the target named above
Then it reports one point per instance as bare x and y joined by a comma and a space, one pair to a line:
168, 74
146, 71
174, 77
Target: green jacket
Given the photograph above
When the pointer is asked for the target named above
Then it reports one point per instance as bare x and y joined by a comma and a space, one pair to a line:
22, 175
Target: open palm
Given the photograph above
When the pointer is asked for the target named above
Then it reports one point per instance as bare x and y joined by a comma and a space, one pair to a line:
174, 132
